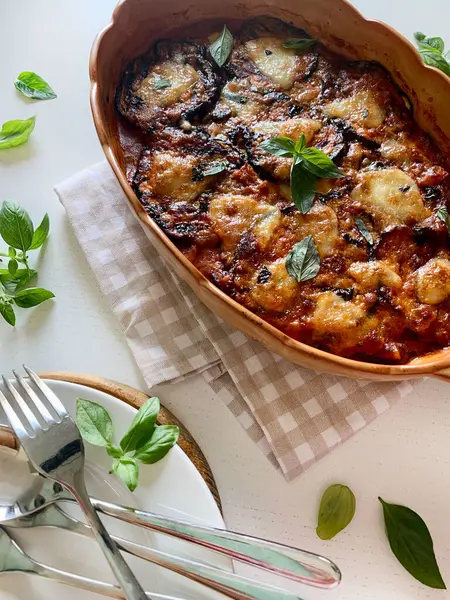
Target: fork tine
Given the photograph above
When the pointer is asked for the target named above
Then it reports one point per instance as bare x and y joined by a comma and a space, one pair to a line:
40, 406
29, 415
51, 397
14, 421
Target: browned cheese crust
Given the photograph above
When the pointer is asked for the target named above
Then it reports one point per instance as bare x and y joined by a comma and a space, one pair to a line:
226, 203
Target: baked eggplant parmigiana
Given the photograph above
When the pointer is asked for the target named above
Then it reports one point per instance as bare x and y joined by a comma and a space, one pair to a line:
299, 184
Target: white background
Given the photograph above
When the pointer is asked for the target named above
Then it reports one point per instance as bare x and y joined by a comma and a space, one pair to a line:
404, 456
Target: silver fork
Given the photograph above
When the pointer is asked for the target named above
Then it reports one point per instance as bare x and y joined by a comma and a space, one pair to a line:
56, 451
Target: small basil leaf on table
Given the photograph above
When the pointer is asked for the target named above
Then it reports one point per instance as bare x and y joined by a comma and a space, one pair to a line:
12, 252
318, 163
215, 168
13, 265
7, 312
221, 48
435, 42
303, 188
411, 543
299, 43
114, 451
16, 227
433, 59
279, 146
337, 509
32, 297
127, 469
163, 439
33, 86
142, 426
303, 261
41, 233
162, 83
362, 227
94, 423
15, 133
13, 283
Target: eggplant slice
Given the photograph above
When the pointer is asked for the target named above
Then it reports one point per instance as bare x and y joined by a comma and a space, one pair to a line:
173, 81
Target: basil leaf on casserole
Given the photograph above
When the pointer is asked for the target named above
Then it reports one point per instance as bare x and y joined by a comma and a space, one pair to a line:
303, 261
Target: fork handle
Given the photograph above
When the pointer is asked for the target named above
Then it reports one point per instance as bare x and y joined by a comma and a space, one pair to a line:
124, 575
90, 585
299, 565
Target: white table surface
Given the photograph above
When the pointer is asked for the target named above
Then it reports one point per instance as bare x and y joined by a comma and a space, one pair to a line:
403, 456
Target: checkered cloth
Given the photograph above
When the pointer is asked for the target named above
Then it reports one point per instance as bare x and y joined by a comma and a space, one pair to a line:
295, 415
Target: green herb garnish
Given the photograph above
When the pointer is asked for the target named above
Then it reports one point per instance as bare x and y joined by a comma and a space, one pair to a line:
411, 543
443, 215
33, 86
162, 83
431, 49
337, 509
362, 227
235, 97
299, 43
220, 50
16, 229
215, 168
303, 261
15, 133
144, 441
308, 165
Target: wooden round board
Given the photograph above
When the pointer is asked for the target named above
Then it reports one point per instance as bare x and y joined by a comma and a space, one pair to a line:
134, 398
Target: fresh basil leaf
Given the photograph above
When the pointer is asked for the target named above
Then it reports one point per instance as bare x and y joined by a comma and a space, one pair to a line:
303, 188
432, 58
33, 86
16, 227
221, 49
163, 439
280, 146
142, 427
41, 233
7, 312
235, 97
303, 261
32, 297
435, 42
364, 231
127, 469
215, 168
114, 451
300, 144
94, 423
443, 215
13, 283
162, 83
12, 252
299, 43
15, 133
13, 265
411, 543
337, 509
419, 37
318, 163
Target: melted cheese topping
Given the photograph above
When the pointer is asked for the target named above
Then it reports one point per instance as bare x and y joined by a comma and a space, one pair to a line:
370, 275
232, 215
433, 281
360, 109
276, 293
279, 66
391, 196
321, 222
292, 128
181, 76
333, 314
171, 175
246, 110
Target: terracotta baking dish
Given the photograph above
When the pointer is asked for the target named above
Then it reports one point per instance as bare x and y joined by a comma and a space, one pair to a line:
136, 24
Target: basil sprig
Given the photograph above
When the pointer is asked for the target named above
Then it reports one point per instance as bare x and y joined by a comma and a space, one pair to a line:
337, 509
308, 165
432, 49
411, 543
303, 261
144, 442
33, 86
17, 230
221, 49
15, 133
299, 43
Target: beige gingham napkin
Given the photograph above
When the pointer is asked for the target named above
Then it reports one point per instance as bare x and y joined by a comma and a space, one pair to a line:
295, 415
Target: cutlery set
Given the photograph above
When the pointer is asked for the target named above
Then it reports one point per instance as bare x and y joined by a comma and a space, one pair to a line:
51, 441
